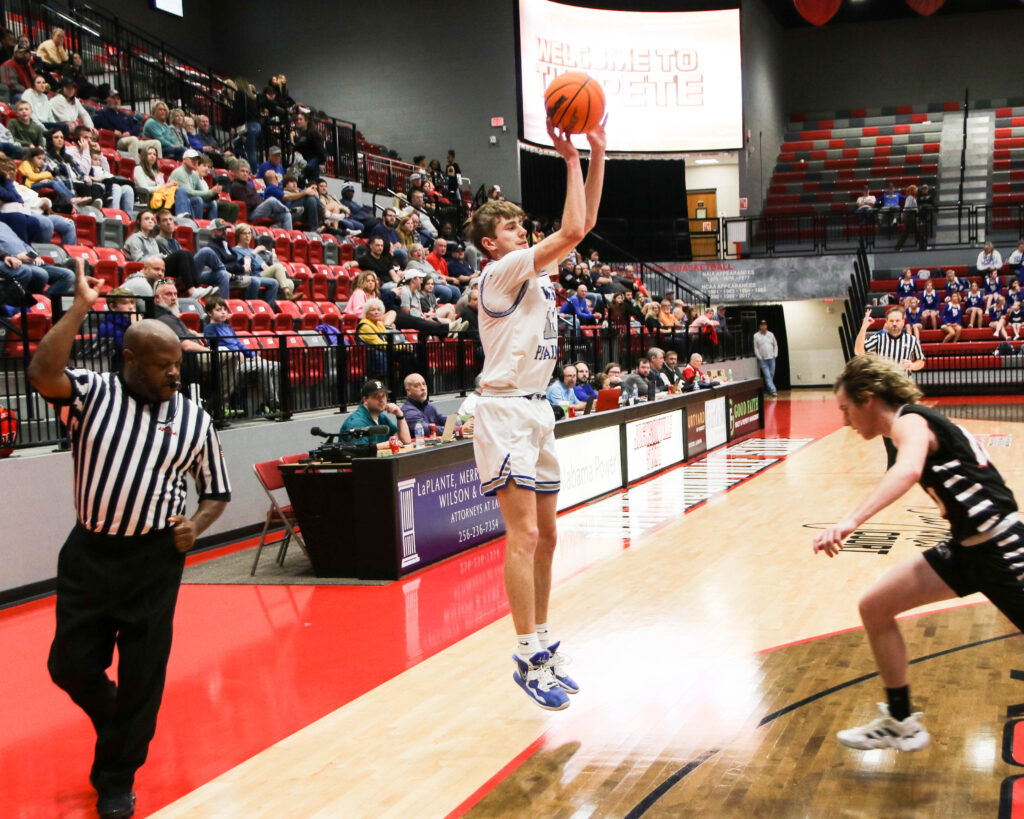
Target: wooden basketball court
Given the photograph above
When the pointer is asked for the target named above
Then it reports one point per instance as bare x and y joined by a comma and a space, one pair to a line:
717, 657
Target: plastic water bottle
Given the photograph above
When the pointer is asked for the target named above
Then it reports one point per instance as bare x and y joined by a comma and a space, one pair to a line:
458, 426
419, 435
634, 398
729, 376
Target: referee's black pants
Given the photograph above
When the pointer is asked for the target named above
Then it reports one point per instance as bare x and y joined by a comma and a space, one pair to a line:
116, 590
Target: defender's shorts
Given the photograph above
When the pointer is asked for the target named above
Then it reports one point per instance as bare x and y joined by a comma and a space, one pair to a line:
994, 568
514, 439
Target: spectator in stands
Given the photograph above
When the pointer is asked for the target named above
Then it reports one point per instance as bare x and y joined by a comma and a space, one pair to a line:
1016, 259
577, 308
126, 128
618, 313
650, 316
168, 311
26, 132
910, 222
974, 306
304, 204
142, 244
119, 191
410, 315
79, 154
562, 393
458, 268
272, 163
720, 317
952, 318
993, 287
997, 318
157, 127
659, 376
271, 109
176, 119
23, 264
387, 230
466, 308
927, 202
433, 309
240, 268
333, 210
988, 259
16, 73
183, 266
1015, 293
420, 208
8, 42
892, 199
665, 316
243, 190
641, 381
584, 389
259, 372
906, 287
913, 317
930, 305
66, 109
407, 232
358, 212
39, 178
245, 116
307, 141
120, 315
40, 220
147, 176
438, 260
58, 164
705, 319
866, 206
208, 140
381, 263
37, 97
253, 263
1014, 318
141, 282
193, 197
376, 410
671, 367
366, 287
955, 285
76, 72
8, 144
191, 136
53, 53
417, 407
372, 330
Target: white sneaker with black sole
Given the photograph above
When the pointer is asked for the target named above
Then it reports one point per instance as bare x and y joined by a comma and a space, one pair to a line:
886, 732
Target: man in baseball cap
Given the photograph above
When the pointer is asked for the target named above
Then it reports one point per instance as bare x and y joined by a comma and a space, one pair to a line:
272, 163
376, 410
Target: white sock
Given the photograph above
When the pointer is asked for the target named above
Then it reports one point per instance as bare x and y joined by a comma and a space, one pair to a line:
527, 645
543, 635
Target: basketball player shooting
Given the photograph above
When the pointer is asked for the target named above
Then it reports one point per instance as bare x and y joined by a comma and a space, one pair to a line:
514, 440
984, 552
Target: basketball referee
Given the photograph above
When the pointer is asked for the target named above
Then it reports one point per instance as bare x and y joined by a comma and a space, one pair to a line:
891, 343
134, 439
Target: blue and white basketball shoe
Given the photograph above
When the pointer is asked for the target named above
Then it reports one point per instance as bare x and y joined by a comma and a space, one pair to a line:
557, 664
537, 679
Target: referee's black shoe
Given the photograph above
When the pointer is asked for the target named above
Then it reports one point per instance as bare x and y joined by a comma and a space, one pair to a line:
116, 805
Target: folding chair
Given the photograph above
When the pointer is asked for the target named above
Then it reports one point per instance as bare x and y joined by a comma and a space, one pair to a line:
268, 473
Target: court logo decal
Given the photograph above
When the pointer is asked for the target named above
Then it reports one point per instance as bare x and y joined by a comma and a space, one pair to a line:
881, 538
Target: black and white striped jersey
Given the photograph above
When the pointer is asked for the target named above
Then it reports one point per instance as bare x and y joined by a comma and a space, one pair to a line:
131, 457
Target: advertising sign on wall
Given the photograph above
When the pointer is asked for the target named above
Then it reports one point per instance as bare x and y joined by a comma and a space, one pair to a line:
654, 443
444, 512
715, 424
744, 414
695, 430
591, 465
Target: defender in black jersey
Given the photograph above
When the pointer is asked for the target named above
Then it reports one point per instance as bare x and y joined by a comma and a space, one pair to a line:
985, 550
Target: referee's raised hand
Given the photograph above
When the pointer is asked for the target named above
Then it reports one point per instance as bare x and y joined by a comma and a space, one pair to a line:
868, 318
86, 287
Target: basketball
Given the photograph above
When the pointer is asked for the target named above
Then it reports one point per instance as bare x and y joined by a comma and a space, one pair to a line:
574, 102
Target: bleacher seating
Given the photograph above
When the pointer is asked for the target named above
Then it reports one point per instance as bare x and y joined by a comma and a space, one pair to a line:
826, 160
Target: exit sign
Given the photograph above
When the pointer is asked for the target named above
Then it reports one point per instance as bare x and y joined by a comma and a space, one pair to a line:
497, 122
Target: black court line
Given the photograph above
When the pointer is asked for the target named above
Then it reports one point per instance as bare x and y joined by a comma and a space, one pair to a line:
649, 801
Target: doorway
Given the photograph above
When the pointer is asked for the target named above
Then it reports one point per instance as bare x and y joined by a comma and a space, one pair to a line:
702, 212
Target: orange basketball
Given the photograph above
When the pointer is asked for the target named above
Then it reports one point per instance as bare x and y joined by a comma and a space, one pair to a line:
574, 102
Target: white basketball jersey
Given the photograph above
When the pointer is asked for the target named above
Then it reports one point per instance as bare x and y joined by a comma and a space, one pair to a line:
518, 326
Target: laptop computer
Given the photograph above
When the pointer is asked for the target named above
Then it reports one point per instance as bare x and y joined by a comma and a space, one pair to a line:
608, 399
448, 434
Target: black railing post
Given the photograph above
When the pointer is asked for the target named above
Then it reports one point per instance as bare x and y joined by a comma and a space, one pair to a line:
284, 372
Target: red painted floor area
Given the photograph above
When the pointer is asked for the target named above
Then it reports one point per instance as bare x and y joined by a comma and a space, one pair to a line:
254, 664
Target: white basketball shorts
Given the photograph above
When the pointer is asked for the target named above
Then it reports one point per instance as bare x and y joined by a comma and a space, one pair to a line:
514, 439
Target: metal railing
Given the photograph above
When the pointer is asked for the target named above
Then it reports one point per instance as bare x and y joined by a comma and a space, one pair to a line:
298, 372
958, 374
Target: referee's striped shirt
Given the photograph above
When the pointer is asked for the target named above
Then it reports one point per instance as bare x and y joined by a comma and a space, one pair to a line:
131, 457
902, 348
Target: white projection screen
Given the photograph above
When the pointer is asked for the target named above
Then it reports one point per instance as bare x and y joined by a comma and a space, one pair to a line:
672, 80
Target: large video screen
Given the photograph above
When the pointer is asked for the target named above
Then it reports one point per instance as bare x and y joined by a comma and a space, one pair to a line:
672, 80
